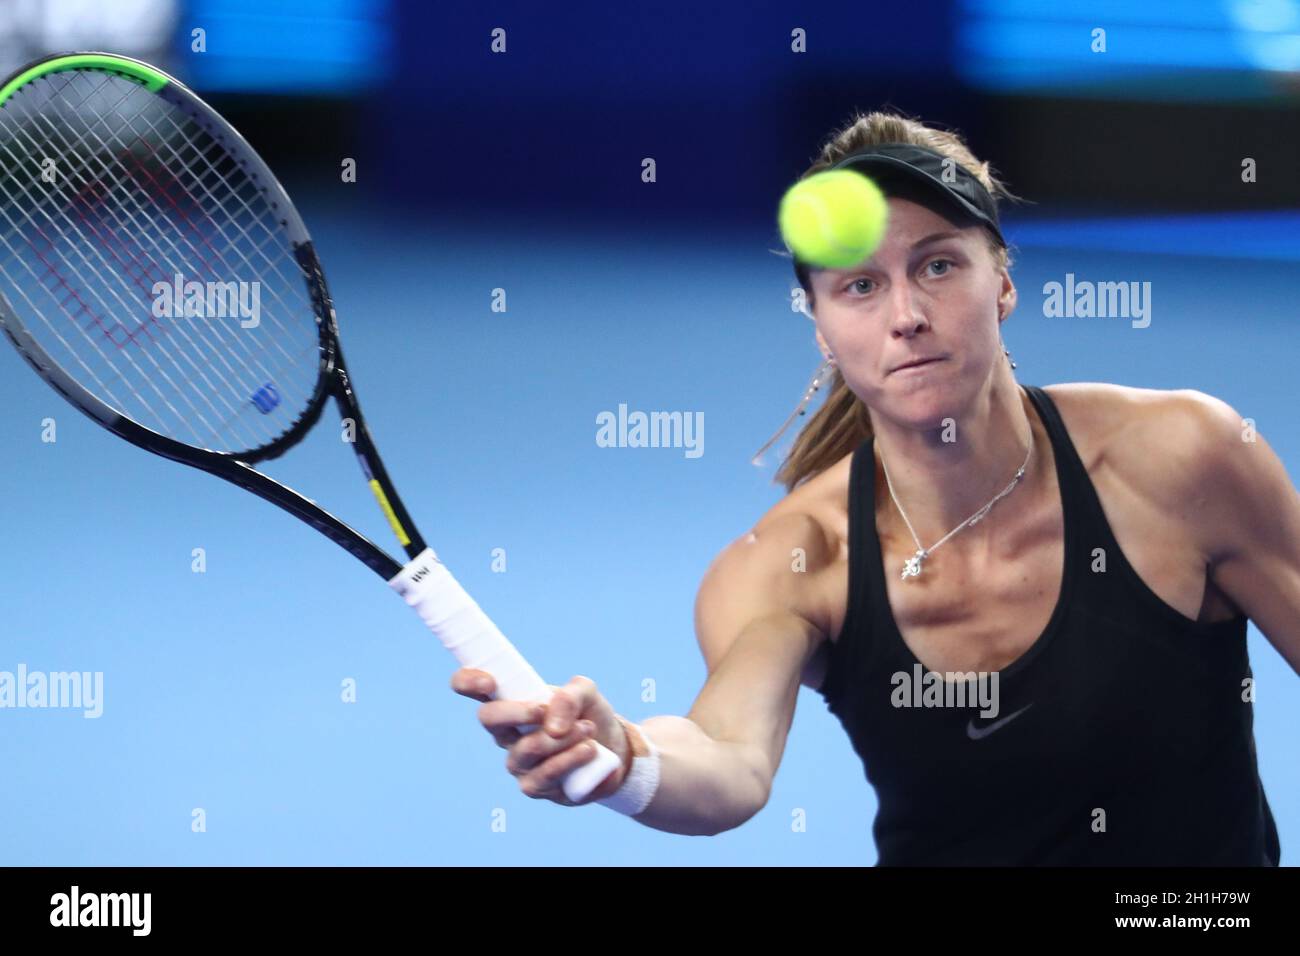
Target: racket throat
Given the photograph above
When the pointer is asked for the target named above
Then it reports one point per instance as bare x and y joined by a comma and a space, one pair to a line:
390, 504
387, 508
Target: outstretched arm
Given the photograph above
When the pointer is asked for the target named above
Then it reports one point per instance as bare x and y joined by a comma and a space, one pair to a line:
717, 763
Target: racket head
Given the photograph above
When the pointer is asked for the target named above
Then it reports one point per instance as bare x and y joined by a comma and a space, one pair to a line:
156, 204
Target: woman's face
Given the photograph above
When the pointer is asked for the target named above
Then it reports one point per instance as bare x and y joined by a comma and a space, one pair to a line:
930, 291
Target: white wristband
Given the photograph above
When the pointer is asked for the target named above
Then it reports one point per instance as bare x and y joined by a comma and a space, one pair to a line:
639, 785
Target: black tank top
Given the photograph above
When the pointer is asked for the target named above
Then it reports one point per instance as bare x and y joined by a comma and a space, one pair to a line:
1121, 736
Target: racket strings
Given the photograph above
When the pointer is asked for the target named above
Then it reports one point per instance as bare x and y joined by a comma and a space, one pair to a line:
51, 271
142, 194
270, 262
161, 190
73, 294
142, 273
63, 294
108, 331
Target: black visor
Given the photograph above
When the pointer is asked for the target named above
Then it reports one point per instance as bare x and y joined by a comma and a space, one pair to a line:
930, 179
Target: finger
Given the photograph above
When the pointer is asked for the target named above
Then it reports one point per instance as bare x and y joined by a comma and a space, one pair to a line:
538, 746
568, 704
506, 738
502, 714
531, 789
469, 682
547, 779
535, 748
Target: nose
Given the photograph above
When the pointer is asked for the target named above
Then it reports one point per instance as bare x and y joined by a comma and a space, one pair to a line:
905, 317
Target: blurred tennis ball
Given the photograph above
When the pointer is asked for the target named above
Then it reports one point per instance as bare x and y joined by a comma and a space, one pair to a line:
834, 219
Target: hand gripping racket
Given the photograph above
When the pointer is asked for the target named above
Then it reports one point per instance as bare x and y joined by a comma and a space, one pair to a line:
155, 273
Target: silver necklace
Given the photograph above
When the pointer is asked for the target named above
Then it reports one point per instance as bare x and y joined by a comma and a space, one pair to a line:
912, 566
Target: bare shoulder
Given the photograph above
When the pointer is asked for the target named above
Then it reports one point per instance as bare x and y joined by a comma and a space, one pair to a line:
1143, 430
766, 571
1166, 446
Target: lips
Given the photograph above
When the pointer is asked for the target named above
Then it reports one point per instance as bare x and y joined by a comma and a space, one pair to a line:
918, 362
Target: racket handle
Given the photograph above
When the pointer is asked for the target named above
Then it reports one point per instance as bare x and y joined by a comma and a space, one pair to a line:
462, 627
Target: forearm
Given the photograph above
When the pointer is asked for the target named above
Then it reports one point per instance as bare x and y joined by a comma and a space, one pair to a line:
706, 786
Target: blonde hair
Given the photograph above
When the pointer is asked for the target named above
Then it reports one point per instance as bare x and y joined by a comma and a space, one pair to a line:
842, 423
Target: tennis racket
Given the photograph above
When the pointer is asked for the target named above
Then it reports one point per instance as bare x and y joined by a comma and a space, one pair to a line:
157, 276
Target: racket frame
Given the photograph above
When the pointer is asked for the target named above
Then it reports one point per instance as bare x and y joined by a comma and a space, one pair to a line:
332, 380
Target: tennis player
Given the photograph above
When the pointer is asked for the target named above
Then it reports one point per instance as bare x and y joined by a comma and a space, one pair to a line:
1026, 605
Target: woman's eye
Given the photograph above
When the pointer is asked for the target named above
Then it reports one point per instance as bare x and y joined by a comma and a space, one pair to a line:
945, 262
856, 286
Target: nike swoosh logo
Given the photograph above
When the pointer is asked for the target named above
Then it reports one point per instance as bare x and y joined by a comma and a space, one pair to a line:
979, 733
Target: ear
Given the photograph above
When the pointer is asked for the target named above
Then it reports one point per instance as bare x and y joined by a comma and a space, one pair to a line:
1007, 297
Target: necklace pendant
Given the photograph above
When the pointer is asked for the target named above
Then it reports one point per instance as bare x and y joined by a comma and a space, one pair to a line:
912, 566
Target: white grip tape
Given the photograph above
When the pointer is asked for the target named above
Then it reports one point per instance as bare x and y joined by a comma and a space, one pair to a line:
462, 627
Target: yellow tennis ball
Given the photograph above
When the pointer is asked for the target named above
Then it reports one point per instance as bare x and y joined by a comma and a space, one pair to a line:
833, 219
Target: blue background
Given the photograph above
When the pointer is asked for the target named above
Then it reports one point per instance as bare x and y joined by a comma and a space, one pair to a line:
222, 689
